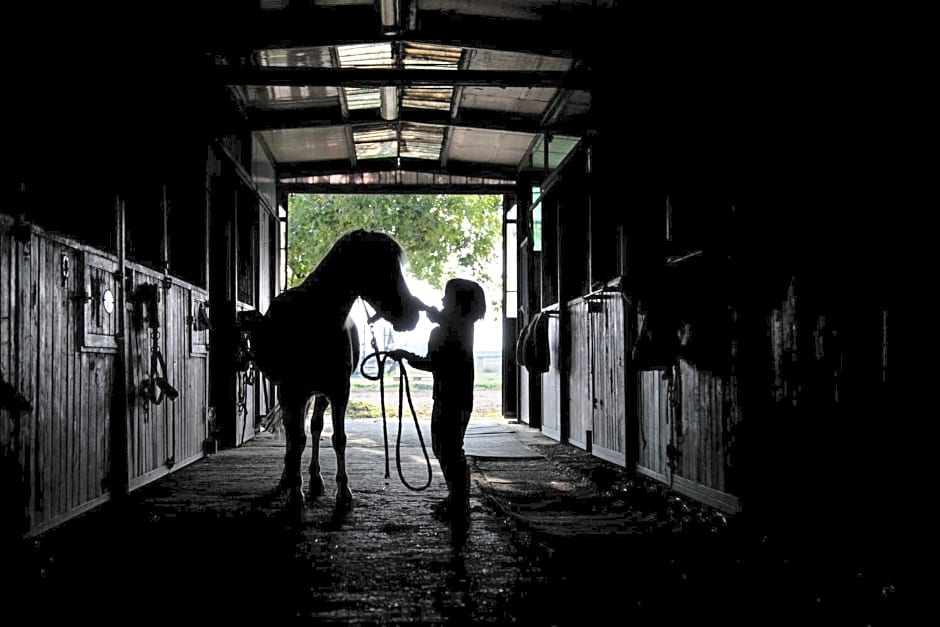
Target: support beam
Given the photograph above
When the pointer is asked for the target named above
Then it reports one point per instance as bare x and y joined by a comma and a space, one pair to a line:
352, 188
313, 117
381, 77
341, 166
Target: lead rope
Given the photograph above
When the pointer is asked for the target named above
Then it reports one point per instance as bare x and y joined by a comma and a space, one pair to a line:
404, 388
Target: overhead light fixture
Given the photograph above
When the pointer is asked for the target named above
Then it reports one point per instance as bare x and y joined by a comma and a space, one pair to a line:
388, 104
389, 10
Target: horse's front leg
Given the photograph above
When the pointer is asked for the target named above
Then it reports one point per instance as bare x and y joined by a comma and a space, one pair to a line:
291, 479
343, 493
316, 428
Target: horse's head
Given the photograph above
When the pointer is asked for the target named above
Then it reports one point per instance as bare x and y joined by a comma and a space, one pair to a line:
381, 282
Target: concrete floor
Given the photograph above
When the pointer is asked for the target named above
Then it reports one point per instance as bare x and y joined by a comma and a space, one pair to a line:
557, 537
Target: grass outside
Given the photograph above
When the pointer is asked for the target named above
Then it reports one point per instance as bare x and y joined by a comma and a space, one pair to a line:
365, 401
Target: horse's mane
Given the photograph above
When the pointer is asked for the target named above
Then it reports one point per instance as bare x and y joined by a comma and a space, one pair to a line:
360, 247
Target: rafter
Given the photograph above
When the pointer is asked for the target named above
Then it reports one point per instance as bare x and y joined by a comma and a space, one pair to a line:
363, 77
259, 119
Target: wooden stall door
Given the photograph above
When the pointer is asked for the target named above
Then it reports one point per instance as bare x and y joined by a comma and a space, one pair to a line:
609, 331
167, 435
581, 385
551, 384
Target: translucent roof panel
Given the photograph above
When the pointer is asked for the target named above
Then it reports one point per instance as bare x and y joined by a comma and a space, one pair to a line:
295, 57
307, 144
280, 97
376, 141
421, 141
433, 56
377, 55
437, 98
558, 149
362, 97
481, 145
526, 100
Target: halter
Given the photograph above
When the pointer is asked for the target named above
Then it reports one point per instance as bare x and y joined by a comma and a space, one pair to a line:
403, 388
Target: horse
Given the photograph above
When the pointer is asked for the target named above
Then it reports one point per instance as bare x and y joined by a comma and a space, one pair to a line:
308, 345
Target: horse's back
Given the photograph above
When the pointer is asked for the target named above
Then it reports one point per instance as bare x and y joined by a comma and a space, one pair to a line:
294, 344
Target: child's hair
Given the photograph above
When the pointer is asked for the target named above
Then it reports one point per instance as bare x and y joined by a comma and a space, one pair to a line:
468, 297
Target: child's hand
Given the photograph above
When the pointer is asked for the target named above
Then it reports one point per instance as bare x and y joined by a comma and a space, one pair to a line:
433, 314
399, 354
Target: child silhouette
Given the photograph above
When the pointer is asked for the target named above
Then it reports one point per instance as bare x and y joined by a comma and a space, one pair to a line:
450, 360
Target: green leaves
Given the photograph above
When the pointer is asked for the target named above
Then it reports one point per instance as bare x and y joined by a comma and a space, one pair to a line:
443, 235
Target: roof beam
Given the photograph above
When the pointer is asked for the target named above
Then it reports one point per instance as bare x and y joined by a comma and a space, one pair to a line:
363, 77
403, 188
265, 119
454, 168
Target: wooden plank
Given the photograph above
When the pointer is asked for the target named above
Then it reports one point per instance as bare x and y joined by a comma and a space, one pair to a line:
42, 384
27, 323
60, 358
104, 376
74, 391
7, 347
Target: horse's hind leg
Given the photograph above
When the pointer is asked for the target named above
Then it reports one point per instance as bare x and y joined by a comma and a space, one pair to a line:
291, 479
343, 493
316, 428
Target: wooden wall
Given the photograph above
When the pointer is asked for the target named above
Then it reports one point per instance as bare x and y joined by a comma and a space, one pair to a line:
59, 350
696, 413
57, 456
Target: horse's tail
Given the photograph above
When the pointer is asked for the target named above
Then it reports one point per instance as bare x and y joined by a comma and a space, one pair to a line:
273, 422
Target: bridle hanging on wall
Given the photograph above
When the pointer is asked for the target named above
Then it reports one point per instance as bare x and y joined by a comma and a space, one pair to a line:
156, 387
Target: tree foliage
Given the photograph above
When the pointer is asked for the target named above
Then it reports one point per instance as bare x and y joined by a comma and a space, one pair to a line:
443, 235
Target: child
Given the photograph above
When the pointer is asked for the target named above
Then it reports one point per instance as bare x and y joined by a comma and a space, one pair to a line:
450, 360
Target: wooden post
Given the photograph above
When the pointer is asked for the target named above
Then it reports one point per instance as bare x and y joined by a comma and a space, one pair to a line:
120, 461
222, 271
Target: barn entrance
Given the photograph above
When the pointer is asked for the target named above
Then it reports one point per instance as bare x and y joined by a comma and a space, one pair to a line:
444, 236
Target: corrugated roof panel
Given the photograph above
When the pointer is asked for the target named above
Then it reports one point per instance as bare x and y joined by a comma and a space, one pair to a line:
318, 56
481, 145
421, 55
374, 134
307, 144
393, 177
377, 150
377, 55
281, 97
373, 142
437, 98
506, 60
362, 97
527, 100
422, 141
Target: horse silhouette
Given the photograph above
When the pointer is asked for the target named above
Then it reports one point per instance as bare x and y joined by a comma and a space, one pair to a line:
307, 344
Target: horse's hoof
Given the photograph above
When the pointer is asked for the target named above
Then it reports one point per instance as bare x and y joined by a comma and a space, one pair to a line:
316, 487
295, 498
344, 499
